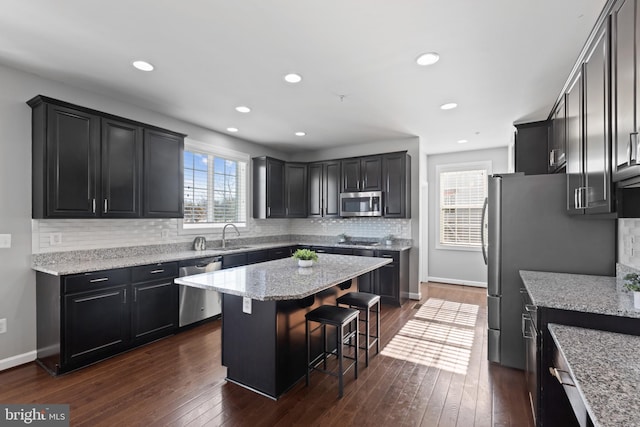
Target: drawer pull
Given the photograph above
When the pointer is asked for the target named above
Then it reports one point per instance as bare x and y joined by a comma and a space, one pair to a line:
102, 279
563, 377
531, 308
387, 256
157, 271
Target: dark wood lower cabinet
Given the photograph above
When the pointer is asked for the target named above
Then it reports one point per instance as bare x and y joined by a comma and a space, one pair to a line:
83, 318
96, 324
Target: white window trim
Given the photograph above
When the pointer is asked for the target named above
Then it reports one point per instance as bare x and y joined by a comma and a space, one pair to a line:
227, 153
456, 167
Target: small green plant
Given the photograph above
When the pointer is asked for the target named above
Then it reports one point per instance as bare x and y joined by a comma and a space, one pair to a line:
342, 236
305, 254
632, 282
388, 237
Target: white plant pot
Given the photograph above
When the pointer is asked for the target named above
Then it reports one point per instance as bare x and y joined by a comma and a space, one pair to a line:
305, 263
388, 242
636, 299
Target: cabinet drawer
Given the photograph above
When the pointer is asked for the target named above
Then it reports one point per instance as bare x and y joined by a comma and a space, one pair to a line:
279, 253
257, 256
96, 279
389, 254
154, 271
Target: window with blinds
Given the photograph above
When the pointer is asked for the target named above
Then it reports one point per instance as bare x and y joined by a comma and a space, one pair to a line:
462, 194
214, 190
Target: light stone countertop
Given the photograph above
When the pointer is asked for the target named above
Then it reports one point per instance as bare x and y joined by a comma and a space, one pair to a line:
131, 257
282, 279
579, 292
606, 371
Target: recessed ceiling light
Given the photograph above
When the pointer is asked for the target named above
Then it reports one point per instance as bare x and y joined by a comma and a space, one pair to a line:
428, 58
293, 78
462, 141
232, 129
143, 65
448, 106
301, 133
243, 109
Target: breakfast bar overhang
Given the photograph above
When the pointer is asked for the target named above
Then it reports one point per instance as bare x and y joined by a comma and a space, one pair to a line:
263, 309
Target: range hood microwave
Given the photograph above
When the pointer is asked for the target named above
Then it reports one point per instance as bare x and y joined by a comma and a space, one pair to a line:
366, 203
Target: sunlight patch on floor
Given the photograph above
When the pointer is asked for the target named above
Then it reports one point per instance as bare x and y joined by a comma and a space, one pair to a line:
439, 335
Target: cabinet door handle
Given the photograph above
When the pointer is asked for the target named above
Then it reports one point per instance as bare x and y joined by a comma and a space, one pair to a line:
102, 279
575, 198
157, 271
268, 211
563, 377
530, 308
125, 297
106, 205
135, 295
633, 148
286, 211
552, 159
93, 205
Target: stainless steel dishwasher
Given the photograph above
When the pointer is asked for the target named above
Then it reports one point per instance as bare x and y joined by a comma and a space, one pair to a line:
198, 304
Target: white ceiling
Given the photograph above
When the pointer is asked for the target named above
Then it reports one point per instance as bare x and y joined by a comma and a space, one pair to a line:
502, 61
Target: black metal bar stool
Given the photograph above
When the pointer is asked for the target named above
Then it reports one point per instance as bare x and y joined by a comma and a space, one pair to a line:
340, 317
365, 302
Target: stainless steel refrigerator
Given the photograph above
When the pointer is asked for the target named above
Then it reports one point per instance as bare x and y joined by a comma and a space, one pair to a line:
527, 228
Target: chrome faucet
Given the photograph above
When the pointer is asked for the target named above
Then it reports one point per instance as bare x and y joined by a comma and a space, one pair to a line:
224, 229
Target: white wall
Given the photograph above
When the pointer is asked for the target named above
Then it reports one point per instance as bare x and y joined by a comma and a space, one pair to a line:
17, 289
450, 265
412, 146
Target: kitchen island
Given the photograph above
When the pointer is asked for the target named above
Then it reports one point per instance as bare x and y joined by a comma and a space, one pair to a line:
263, 309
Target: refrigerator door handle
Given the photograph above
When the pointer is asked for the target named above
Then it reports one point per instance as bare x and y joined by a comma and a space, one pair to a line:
482, 232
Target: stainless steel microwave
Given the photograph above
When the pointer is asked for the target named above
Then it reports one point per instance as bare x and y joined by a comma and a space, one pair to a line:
366, 203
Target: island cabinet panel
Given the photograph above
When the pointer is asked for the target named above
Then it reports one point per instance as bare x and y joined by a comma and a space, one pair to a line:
270, 358
87, 317
90, 164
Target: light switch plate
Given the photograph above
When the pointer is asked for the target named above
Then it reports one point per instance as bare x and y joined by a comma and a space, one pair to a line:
3, 326
5, 240
246, 305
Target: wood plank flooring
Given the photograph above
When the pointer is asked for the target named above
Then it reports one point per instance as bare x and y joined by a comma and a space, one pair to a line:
432, 371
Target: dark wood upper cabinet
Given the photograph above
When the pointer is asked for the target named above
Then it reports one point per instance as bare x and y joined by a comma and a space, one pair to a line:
531, 145
121, 169
268, 188
324, 189
89, 164
362, 174
296, 190
557, 142
574, 157
624, 86
66, 144
396, 182
163, 181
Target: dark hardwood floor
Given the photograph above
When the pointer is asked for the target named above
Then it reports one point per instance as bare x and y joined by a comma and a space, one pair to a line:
432, 371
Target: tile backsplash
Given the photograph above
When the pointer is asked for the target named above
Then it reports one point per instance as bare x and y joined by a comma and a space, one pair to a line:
82, 234
629, 242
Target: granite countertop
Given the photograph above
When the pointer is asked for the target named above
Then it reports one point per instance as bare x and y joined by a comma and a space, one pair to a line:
579, 292
606, 371
131, 257
282, 279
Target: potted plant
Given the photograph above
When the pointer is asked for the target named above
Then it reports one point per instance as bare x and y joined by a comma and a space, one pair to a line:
305, 257
388, 239
342, 238
632, 283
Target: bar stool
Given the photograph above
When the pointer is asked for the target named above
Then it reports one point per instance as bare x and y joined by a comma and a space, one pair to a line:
365, 302
340, 317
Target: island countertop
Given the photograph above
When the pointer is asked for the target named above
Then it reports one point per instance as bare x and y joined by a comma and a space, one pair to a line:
604, 365
282, 279
578, 292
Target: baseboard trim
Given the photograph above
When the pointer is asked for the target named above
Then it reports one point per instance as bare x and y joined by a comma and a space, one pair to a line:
19, 359
458, 282
415, 295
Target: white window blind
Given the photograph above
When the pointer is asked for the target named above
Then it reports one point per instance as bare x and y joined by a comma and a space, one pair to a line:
462, 195
214, 190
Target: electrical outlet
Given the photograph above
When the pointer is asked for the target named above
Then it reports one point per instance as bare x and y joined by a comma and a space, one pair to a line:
164, 234
55, 239
246, 305
5, 240
3, 326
